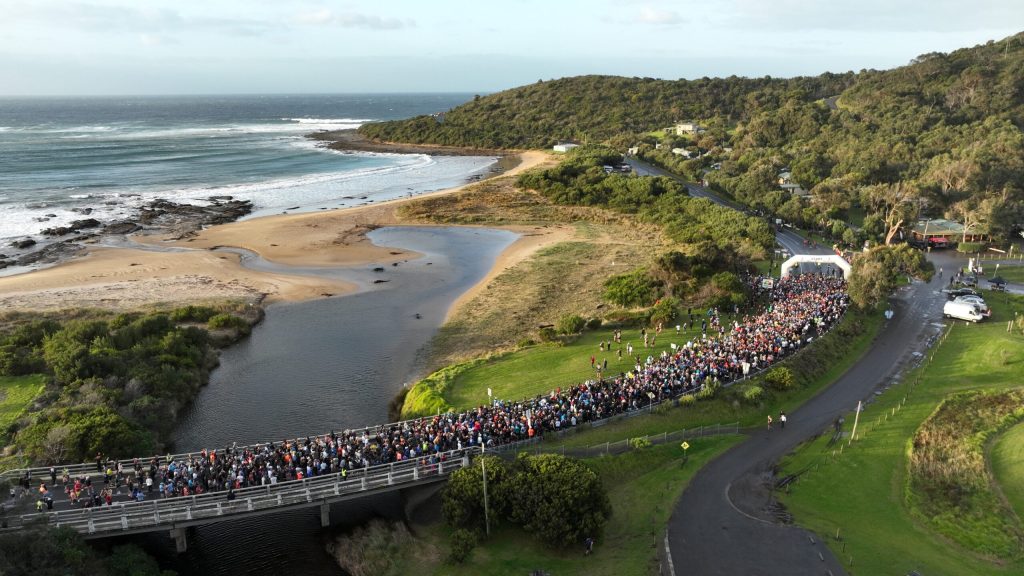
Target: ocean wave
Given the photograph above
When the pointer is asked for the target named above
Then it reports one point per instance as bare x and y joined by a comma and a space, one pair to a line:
329, 120
79, 196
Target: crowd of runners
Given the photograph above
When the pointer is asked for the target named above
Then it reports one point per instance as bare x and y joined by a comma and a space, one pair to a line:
796, 310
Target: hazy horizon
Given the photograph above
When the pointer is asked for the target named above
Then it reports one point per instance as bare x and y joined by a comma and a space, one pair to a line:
115, 47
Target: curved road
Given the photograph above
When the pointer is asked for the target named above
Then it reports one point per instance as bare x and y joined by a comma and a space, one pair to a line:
726, 521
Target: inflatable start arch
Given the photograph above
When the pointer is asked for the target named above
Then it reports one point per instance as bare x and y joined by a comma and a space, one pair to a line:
817, 259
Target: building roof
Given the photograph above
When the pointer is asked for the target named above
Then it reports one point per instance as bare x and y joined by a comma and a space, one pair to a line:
938, 227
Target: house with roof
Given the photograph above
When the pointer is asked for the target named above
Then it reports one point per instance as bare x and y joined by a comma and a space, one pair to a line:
565, 146
941, 232
683, 128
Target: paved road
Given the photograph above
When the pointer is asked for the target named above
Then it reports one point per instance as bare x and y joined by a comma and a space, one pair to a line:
726, 522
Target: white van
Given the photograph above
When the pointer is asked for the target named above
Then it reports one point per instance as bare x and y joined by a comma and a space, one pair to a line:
963, 311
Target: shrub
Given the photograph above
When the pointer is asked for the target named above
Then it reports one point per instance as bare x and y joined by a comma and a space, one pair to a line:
547, 334
557, 499
753, 394
639, 443
227, 322
525, 342
970, 247
193, 314
635, 289
780, 378
594, 323
688, 400
463, 542
571, 324
665, 311
462, 502
709, 390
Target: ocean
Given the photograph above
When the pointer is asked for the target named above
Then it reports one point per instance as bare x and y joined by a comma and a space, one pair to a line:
105, 156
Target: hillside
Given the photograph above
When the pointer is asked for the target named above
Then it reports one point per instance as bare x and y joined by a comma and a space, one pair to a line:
940, 136
596, 108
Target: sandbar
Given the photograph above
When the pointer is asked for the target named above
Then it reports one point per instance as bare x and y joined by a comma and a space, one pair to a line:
127, 278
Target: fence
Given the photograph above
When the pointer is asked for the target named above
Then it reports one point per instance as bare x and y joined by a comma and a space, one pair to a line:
627, 444
132, 517
862, 429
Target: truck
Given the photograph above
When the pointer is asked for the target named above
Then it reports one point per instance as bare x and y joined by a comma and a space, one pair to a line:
963, 311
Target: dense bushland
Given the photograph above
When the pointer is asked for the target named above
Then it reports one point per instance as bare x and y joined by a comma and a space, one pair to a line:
115, 384
949, 486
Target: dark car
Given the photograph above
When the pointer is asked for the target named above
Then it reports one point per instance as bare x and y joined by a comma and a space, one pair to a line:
957, 292
969, 281
919, 244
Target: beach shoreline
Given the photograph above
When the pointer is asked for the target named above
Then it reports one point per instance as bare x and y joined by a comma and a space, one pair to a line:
163, 271
352, 141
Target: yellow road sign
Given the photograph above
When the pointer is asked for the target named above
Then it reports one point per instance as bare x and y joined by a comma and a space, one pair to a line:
685, 445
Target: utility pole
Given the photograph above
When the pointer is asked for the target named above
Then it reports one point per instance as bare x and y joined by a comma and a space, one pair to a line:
856, 419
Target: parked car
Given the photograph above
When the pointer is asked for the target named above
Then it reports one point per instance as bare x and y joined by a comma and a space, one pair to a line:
955, 292
963, 311
977, 301
969, 280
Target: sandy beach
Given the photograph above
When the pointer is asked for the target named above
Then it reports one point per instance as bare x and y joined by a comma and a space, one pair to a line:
125, 278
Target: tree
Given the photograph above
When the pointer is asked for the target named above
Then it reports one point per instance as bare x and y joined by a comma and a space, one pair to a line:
895, 204
462, 502
557, 499
876, 273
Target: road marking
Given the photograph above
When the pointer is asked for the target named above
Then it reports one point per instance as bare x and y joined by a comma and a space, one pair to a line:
729, 500
668, 556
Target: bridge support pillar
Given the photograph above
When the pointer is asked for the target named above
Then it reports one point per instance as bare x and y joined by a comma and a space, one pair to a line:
325, 515
180, 540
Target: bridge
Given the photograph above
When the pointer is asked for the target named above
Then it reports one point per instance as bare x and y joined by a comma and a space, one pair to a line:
178, 513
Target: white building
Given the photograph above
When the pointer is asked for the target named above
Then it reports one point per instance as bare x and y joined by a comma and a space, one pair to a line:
681, 152
565, 146
688, 128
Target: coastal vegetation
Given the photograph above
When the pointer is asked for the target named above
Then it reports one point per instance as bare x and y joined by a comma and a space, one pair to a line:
640, 485
1007, 457
949, 487
63, 552
559, 501
939, 136
105, 383
912, 492
582, 180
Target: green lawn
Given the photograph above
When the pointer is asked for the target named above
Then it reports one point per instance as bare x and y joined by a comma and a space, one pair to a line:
15, 394
860, 491
542, 368
1009, 273
642, 486
1007, 458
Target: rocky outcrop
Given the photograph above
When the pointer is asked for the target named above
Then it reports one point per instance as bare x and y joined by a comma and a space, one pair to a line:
185, 220
125, 227
73, 227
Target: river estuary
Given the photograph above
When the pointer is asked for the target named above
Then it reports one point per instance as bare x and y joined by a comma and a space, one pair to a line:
315, 366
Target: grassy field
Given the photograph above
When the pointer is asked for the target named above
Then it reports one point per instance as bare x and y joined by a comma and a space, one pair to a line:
642, 486
1007, 460
860, 490
1009, 273
542, 368
563, 278
15, 394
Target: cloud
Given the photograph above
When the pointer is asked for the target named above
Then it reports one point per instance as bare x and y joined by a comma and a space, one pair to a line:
326, 17
156, 39
657, 16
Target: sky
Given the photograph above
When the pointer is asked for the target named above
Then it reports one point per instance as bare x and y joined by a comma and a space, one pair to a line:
69, 47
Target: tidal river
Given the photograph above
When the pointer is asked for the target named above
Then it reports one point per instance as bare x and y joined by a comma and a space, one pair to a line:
316, 366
